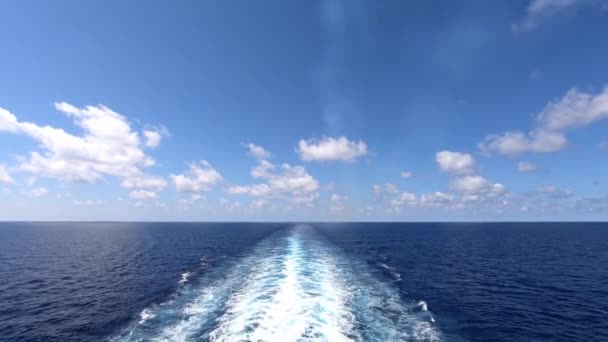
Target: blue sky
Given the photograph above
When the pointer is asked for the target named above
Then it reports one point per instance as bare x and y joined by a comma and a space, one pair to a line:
304, 110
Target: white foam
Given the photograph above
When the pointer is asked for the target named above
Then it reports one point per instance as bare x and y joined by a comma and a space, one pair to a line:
289, 298
145, 315
290, 288
185, 277
423, 306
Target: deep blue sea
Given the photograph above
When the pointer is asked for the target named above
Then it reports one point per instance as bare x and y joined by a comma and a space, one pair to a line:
299, 282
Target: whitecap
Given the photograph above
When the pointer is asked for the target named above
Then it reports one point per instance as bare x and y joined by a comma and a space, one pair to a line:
185, 277
145, 315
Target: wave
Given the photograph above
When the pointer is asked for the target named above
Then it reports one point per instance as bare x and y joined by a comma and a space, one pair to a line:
294, 286
185, 277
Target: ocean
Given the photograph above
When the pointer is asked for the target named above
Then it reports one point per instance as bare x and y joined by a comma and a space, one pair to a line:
301, 282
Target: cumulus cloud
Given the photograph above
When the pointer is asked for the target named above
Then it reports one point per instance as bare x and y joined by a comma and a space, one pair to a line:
525, 167
469, 184
386, 190
477, 187
517, 142
405, 198
290, 182
437, 198
331, 149
574, 109
108, 146
455, 162
258, 152
153, 138
200, 177
538, 10
5, 177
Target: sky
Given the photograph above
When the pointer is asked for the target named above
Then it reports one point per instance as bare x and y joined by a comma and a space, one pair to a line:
304, 110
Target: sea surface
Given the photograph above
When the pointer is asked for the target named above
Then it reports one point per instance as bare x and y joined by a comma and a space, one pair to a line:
301, 282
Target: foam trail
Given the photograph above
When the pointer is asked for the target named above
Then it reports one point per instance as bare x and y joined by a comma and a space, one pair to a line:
292, 297
295, 286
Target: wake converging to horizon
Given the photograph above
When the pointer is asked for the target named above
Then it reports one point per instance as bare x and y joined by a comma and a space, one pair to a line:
294, 286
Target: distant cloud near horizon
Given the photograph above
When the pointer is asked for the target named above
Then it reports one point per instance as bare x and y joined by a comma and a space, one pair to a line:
292, 183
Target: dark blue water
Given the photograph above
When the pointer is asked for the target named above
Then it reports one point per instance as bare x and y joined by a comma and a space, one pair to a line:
382, 282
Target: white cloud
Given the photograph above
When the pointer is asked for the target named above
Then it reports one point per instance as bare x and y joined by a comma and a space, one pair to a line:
497, 189
8, 121
5, 177
143, 194
387, 190
200, 177
258, 152
455, 162
153, 138
405, 198
37, 192
292, 183
517, 142
477, 187
263, 169
469, 184
406, 174
142, 181
337, 203
257, 190
574, 109
525, 167
336, 198
538, 10
331, 149
470, 198
108, 146
437, 199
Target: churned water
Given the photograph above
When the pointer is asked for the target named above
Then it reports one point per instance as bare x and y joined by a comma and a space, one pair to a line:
303, 282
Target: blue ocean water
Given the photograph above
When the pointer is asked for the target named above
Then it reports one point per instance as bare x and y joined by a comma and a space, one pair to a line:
288, 282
